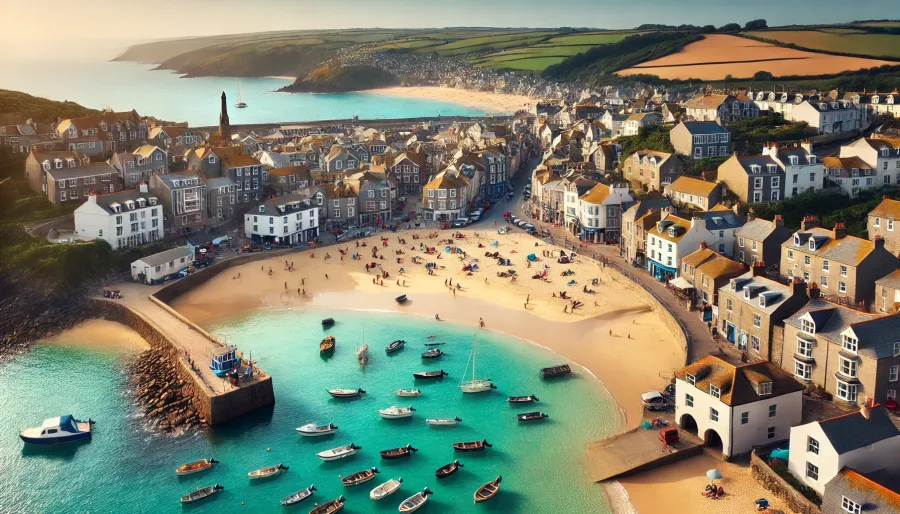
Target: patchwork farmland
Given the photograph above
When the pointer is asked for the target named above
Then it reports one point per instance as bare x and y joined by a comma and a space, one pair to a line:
846, 41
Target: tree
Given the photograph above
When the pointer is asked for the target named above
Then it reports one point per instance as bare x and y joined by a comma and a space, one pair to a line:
756, 25
708, 29
763, 75
731, 27
729, 78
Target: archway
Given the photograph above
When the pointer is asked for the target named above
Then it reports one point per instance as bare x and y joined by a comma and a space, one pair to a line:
712, 440
688, 423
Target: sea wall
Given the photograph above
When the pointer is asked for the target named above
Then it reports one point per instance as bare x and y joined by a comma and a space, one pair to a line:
768, 478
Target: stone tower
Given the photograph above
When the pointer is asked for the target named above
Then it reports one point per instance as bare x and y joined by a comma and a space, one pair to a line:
224, 125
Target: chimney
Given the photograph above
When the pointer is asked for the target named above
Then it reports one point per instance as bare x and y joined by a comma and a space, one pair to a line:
813, 291
798, 287
142, 187
737, 208
807, 145
839, 230
695, 221
779, 220
92, 198
865, 409
758, 269
808, 223
750, 215
879, 242
703, 245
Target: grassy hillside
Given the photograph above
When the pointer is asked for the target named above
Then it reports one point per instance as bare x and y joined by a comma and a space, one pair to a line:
836, 40
332, 77
40, 109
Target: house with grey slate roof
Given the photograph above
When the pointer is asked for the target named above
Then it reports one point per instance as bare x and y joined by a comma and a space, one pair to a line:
851, 491
722, 224
887, 293
127, 218
753, 178
700, 139
154, 267
184, 197
759, 240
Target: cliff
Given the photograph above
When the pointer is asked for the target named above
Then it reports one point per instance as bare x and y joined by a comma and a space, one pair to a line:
334, 77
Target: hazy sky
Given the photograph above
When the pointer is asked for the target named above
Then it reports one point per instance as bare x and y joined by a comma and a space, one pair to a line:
69, 26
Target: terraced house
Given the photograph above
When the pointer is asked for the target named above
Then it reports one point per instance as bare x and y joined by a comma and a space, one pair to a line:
671, 239
247, 174
222, 202
651, 170
341, 206
102, 134
636, 221
339, 159
408, 169
887, 293
138, 166
882, 155
123, 219
39, 162
710, 107
694, 193
75, 184
851, 174
884, 222
444, 198
707, 271
759, 240
289, 179
700, 139
803, 171
600, 212
184, 196
753, 179
375, 197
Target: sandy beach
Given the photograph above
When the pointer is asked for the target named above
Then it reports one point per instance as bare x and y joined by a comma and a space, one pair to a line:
100, 334
492, 103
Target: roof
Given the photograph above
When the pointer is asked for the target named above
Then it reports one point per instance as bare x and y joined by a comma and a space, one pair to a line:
888, 208
122, 197
891, 280
212, 183
87, 170
720, 219
850, 250
698, 257
881, 487
284, 171
757, 229
845, 163
830, 320
239, 160
704, 127
169, 178
763, 161
146, 150
676, 221
692, 186
284, 204
597, 195
444, 180
706, 101
737, 384
853, 431
720, 266
776, 291
161, 258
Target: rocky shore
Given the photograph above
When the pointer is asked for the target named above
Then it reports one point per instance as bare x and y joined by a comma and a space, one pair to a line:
160, 393
27, 314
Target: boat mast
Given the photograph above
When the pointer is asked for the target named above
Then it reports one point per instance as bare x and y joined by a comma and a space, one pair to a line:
239, 91
473, 358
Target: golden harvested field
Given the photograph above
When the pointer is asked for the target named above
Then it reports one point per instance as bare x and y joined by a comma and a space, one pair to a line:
718, 55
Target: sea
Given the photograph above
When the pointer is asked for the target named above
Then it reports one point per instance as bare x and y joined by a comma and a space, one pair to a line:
126, 468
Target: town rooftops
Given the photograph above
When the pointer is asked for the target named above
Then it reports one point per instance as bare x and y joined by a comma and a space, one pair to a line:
444, 180
757, 230
692, 186
283, 205
831, 320
87, 170
853, 431
284, 171
704, 127
706, 101
850, 250
720, 266
239, 160
845, 163
748, 289
739, 385
158, 259
62, 155
125, 201
888, 208
720, 219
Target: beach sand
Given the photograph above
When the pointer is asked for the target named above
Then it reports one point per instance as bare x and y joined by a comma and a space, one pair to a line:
100, 334
492, 103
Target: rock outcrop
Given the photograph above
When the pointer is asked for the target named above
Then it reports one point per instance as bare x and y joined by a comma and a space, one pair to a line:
162, 394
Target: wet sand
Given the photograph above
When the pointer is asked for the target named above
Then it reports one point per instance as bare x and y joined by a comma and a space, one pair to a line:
492, 103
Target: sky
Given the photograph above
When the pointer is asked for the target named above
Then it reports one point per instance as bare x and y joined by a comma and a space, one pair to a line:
71, 26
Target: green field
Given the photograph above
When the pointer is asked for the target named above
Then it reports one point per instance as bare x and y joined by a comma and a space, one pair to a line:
837, 40
889, 24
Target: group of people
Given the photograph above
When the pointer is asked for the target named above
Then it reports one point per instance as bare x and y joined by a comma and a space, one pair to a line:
712, 492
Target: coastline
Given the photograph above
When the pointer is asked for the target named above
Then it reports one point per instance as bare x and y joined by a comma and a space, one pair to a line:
492, 103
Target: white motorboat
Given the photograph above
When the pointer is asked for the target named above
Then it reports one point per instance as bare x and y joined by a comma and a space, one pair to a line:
443, 422
345, 393
267, 472
386, 489
394, 412
313, 430
298, 497
63, 429
475, 385
341, 452
415, 502
408, 392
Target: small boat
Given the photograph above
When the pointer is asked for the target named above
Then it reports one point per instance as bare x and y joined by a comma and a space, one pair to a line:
475, 385
396, 346
63, 429
398, 453
415, 502
432, 336
401, 299
433, 344
267, 472
195, 467
200, 494
240, 103
313, 430
433, 353
362, 355
429, 375
394, 412
531, 416
341, 452
408, 392
298, 497
523, 399
329, 507
386, 489
360, 477
472, 446
346, 393
327, 322
224, 361
488, 490
556, 371
327, 344
449, 469
443, 422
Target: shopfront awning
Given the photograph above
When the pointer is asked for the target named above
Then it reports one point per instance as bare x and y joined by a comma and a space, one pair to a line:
680, 283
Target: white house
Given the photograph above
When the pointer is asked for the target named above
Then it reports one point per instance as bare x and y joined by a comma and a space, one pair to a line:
634, 123
287, 219
159, 265
803, 171
865, 440
883, 155
830, 117
737, 407
123, 219
600, 211
671, 239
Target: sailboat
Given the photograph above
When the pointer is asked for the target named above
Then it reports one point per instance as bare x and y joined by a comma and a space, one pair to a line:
362, 353
240, 103
476, 385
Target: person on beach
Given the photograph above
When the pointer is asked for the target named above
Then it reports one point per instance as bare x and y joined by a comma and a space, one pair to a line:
326, 276
438, 318
285, 286
481, 322
566, 308
302, 281
454, 293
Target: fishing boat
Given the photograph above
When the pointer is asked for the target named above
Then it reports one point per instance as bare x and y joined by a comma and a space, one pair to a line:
531, 416
432, 336
240, 103
472, 446
395, 347
329, 507
298, 497
433, 344
386, 489
346, 393
195, 467
201, 494
556, 371
398, 453
224, 361
433, 353
394, 412
415, 502
362, 354
313, 430
341, 452
327, 344
476, 385
360, 477
447, 470
408, 392
522, 399
327, 322
63, 429
443, 422
401, 299
267, 472
488, 490
429, 375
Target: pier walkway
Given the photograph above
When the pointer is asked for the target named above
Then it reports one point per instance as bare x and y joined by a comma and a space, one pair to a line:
638, 450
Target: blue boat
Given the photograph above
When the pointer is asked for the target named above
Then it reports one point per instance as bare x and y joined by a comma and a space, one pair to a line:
225, 361
64, 429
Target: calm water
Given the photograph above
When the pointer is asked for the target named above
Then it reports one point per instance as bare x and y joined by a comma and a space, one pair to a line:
124, 469
162, 94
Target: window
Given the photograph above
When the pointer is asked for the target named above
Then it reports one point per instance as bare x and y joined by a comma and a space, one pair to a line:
850, 506
741, 242
893, 372
773, 409
745, 418
713, 415
846, 392
688, 400
729, 305
848, 367
754, 343
714, 391
690, 379
770, 433
764, 389
802, 371
825, 266
757, 320
850, 343
790, 254
812, 446
812, 471
842, 287
804, 348
891, 225
806, 257
843, 271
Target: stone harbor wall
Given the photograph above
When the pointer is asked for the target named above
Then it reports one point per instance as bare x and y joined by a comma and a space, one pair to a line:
769, 479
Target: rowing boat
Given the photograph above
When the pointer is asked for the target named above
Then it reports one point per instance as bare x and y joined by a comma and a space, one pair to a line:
298, 497
488, 490
386, 489
195, 467
200, 494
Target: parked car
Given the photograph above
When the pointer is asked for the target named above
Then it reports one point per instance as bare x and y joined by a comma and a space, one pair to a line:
530, 228
221, 240
459, 222
654, 401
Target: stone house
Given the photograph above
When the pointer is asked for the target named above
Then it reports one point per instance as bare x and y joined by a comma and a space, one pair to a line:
39, 162
288, 179
700, 139
339, 159
138, 166
342, 207
759, 241
753, 178
75, 184
375, 197
184, 196
707, 271
694, 193
444, 198
408, 169
887, 293
636, 220
222, 202
651, 170
710, 107
883, 155
803, 171
851, 174
884, 222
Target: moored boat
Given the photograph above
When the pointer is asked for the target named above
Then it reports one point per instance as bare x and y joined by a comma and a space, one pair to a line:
64, 429
472, 446
327, 322
329, 507
267, 472
443, 422
415, 502
398, 453
556, 371
386, 489
298, 497
401, 299
429, 375
531, 416
523, 399
327, 344
346, 393
313, 430
195, 467
341, 452
488, 490
394, 412
360, 477
395, 347
362, 355
433, 353
433, 344
448, 469
476, 385
201, 494
408, 392
224, 361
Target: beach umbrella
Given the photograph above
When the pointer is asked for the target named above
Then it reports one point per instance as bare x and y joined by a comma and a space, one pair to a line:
713, 474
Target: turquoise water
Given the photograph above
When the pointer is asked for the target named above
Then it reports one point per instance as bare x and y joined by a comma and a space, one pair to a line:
124, 469
162, 94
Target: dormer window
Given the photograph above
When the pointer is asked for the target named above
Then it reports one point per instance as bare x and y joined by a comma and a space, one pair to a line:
755, 168
890, 100
876, 99
794, 160
70, 163
262, 209
812, 245
57, 163
176, 183
142, 202
762, 301
46, 165
850, 343
152, 200
690, 379
811, 159
807, 326
771, 168
764, 388
796, 240
212, 159
130, 204
714, 391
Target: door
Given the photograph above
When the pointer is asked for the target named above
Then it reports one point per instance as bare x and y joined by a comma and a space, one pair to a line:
729, 332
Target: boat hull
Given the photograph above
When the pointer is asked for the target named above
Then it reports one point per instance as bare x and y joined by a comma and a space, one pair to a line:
442, 422
327, 456
384, 490
395, 416
48, 441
